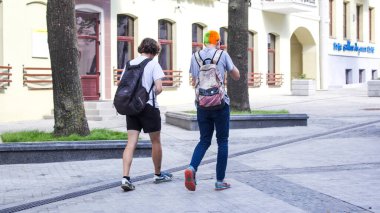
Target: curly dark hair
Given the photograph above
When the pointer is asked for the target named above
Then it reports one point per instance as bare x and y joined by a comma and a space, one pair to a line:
149, 45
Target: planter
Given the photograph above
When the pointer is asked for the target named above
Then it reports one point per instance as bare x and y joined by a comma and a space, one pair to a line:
45, 152
189, 121
373, 88
303, 87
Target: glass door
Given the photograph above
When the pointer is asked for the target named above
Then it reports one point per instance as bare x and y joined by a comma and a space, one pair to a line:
87, 25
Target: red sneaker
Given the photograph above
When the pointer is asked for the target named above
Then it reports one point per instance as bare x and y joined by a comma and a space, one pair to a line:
190, 179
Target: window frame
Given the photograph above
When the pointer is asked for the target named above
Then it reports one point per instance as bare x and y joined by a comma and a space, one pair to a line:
252, 50
371, 12
127, 38
166, 41
345, 22
196, 43
359, 23
332, 18
272, 51
223, 32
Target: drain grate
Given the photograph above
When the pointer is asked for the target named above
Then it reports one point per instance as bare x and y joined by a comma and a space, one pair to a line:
372, 109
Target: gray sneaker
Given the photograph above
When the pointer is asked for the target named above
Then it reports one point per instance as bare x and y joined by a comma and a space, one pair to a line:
127, 185
164, 177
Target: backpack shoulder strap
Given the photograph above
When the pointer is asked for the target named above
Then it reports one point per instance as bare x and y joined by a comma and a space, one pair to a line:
124, 74
216, 57
198, 58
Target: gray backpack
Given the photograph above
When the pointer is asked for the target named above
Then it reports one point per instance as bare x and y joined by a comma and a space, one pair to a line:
209, 88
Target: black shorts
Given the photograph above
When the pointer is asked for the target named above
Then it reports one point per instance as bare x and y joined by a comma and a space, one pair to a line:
149, 120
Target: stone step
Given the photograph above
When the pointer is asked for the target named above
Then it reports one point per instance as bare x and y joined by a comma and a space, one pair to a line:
89, 118
98, 105
95, 111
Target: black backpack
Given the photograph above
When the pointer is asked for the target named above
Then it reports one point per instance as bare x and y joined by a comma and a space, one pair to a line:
131, 97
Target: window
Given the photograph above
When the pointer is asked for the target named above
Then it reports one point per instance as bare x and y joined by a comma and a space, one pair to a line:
345, 20
197, 37
271, 53
348, 76
87, 26
374, 75
332, 20
125, 40
254, 79
361, 76
271, 76
165, 38
371, 25
359, 22
165, 58
251, 42
223, 38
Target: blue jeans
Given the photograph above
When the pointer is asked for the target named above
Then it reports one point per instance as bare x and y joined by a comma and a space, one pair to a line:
207, 121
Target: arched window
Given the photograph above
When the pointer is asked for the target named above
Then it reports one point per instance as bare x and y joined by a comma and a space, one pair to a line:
197, 37
254, 79
271, 59
125, 40
223, 38
251, 42
165, 38
165, 58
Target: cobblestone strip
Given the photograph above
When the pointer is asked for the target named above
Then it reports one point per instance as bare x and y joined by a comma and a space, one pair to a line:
318, 169
294, 140
208, 161
296, 195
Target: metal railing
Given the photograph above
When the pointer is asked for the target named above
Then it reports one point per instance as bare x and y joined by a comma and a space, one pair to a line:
5, 76
172, 77
274, 79
254, 79
37, 78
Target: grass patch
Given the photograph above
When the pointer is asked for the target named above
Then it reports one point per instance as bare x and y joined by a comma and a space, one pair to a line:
253, 112
39, 136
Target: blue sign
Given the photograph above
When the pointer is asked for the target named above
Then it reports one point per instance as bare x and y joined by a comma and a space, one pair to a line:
353, 48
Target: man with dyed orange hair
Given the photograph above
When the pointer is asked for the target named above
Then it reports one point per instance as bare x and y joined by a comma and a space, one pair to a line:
208, 119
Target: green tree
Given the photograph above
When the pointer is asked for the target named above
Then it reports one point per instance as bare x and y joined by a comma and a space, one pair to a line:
237, 49
69, 114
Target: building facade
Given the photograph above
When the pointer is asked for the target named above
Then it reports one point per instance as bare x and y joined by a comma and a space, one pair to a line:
353, 42
285, 41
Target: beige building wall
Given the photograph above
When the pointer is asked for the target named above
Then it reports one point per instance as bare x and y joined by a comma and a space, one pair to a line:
20, 103
17, 101
183, 16
1, 35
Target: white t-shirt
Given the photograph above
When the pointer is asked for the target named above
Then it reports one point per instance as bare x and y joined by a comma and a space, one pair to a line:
152, 72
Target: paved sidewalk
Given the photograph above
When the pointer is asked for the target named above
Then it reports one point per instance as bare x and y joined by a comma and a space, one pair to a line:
332, 165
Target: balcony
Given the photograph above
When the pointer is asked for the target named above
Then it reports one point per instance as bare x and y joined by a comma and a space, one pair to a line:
288, 6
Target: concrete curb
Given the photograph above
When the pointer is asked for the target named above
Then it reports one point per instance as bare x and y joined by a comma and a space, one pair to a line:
189, 121
46, 152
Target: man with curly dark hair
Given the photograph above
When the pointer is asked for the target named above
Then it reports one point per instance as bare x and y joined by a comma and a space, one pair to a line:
149, 119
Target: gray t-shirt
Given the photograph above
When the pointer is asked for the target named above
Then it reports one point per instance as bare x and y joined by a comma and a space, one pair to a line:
152, 72
225, 64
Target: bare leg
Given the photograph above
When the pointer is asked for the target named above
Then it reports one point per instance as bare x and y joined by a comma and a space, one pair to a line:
133, 136
155, 138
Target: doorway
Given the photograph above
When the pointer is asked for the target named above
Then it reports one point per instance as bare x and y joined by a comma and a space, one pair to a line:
87, 26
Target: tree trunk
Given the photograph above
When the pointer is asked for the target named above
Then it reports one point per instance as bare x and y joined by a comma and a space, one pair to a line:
69, 114
238, 50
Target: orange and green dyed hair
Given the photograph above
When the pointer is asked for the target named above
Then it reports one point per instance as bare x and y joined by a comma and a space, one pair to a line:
211, 37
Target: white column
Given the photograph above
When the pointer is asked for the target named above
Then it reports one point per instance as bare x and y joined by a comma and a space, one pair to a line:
323, 44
